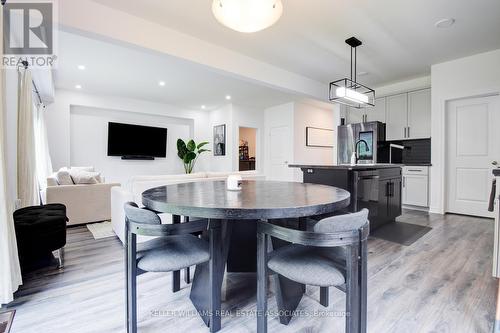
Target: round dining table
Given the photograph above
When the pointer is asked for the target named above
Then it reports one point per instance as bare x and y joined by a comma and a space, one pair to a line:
230, 214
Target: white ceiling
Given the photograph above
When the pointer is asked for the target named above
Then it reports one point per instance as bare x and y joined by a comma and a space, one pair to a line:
119, 70
400, 39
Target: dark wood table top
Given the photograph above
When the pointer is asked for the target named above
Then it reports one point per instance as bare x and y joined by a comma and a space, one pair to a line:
257, 200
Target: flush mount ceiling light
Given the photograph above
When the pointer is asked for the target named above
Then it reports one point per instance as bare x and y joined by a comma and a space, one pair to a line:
228, 97
78, 86
161, 83
445, 23
349, 91
247, 15
81, 67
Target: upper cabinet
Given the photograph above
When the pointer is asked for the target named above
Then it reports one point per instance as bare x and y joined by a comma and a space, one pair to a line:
396, 117
419, 114
375, 113
409, 115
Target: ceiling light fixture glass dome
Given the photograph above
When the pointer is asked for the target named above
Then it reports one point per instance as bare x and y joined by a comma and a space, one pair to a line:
247, 15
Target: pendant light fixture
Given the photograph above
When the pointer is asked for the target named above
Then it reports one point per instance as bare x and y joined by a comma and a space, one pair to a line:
247, 15
349, 91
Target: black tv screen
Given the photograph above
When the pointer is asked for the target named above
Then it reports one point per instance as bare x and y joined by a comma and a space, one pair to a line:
135, 140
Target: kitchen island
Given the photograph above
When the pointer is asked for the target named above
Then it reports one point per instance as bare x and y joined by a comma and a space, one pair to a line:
376, 187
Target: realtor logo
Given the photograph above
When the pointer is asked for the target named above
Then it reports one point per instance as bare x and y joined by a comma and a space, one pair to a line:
28, 33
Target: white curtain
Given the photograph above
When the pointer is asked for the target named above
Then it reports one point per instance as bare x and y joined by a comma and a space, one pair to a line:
10, 272
43, 161
27, 184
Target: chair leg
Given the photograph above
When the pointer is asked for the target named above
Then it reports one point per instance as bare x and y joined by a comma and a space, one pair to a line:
261, 283
215, 278
60, 257
187, 275
352, 290
363, 285
323, 296
131, 285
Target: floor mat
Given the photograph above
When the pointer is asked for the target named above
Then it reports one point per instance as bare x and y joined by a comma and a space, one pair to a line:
400, 232
101, 230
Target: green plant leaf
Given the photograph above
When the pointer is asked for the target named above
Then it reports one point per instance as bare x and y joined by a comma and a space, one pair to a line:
189, 157
203, 150
191, 146
181, 148
202, 144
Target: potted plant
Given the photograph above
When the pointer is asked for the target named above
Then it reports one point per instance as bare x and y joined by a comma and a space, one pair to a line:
189, 153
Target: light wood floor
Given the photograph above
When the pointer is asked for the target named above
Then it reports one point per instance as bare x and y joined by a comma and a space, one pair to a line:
441, 283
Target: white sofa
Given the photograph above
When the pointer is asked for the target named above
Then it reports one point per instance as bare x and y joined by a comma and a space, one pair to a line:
137, 185
84, 203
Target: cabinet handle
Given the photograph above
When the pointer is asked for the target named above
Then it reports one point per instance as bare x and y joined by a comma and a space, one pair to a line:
408, 131
404, 181
415, 170
404, 135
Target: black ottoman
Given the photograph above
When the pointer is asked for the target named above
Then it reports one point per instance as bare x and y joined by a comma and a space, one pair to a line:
39, 231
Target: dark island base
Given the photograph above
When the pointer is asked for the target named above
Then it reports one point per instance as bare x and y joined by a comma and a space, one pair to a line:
375, 187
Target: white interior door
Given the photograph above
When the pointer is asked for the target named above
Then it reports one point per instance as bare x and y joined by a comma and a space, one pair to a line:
280, 153
473, 143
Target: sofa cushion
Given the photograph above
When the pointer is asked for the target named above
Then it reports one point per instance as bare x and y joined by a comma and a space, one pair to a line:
63, 177
80, 176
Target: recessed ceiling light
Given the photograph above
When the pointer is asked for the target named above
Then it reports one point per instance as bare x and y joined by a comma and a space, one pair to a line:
81, 67
445, 23
203, 107
228, 97
161, 83
78, 86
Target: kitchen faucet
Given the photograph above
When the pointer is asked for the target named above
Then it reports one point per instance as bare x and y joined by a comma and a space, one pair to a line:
356, 148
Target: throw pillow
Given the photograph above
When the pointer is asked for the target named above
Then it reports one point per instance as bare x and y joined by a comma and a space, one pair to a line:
63, 177
84, 177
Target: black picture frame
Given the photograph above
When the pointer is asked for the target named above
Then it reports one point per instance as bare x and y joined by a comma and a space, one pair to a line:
308, 143
220, 140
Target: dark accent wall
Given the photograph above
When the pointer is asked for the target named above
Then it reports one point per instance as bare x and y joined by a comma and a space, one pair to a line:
416, 152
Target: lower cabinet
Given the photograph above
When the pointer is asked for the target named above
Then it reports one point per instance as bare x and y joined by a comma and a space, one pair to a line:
416, 186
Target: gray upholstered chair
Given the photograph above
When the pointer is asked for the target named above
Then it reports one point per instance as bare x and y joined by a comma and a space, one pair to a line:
174, 249
334, 254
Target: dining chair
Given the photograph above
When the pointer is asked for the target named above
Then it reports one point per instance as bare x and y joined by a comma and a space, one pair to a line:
333, 254
174, 248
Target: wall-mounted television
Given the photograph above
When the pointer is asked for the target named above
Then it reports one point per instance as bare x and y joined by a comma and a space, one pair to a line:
135, 141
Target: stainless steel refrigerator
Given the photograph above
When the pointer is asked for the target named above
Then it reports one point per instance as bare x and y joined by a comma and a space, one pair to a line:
347, 135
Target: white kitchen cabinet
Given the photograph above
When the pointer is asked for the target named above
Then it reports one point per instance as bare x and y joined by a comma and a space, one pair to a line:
415, 186
408, 115
396, 117
354, 115
419, 114
377, 112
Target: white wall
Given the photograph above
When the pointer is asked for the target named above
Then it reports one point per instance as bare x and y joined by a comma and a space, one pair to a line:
310, 116
89, 137
59, 126
472, 76
403, 86
221, 116
235, 116
298, 116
